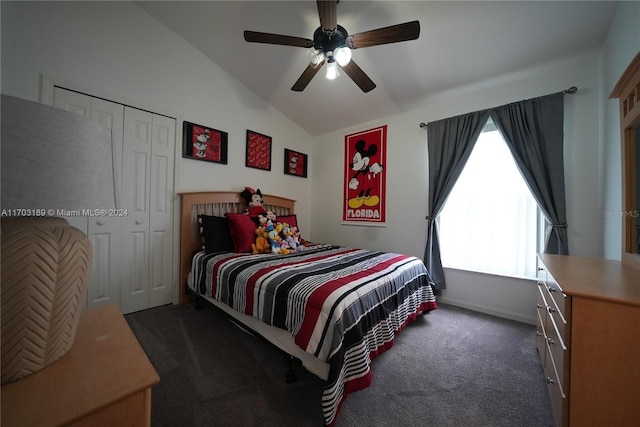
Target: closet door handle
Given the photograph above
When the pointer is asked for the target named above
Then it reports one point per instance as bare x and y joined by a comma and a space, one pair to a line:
550, 341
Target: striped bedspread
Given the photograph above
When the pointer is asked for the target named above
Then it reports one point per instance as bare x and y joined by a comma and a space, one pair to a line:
342, 305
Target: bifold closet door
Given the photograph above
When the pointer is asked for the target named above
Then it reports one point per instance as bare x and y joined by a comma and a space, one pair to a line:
147, 194
161, 211
103, 232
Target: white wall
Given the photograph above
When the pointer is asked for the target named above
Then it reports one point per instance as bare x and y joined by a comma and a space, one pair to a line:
407, 178
116, 50
621, 46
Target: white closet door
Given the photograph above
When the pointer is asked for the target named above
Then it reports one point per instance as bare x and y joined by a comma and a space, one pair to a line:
133, 254
161, 211
104, 288
103, 232
75, 102
111, 115
79, 104
136, 175
108, 113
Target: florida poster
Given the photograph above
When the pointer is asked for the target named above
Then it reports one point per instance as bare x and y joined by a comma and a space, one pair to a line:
365, 154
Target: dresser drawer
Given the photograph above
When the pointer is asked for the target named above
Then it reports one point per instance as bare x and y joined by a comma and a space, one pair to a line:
559, 354
559, 309
542, 307
541, 337
557, 298
559, 402
541, 322
558, 322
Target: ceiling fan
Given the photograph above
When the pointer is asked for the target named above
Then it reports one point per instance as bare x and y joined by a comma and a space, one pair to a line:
332, 43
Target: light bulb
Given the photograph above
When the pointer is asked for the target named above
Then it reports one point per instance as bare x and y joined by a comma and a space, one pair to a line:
332, 70
342, 55
315, 57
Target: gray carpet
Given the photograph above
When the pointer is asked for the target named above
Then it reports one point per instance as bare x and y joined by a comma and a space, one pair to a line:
452, 367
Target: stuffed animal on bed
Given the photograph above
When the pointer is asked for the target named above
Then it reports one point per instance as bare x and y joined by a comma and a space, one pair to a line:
261, 245
299, 241
287, 236
271, 218
253, 199
274, 239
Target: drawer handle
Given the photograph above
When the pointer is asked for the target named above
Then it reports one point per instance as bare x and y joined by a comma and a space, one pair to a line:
550, 289
550, 381
100, 222
551, 310
538, 333
550, 341
138, 221
539, 306
540, 283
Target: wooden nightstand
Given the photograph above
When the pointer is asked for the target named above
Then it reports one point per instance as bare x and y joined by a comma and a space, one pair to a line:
104, 380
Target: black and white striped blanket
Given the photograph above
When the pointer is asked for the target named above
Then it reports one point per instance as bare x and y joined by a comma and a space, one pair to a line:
340, 304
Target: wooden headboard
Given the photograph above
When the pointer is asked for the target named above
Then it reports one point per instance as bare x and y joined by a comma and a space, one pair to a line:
215, 203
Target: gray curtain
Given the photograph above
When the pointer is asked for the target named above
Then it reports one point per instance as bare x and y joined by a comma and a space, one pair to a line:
533, 130
450, 142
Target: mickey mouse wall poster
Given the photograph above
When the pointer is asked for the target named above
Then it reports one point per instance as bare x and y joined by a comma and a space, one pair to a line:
364, 198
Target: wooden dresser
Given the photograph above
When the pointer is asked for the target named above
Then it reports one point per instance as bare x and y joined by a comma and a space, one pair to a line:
588, 338
104, 380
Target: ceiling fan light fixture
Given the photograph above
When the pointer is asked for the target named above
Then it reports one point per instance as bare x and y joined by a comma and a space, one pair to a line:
332, 69
342, 55
315, 57
331, 43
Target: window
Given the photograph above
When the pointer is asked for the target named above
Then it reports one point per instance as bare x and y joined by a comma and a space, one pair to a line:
490, 221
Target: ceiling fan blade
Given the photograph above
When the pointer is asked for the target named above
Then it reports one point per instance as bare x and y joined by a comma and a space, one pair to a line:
392, 34
359, 77
306, 77
257, 37
327, 10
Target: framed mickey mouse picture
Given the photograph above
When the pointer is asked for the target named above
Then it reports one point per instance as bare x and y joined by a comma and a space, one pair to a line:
364, 190
204, 143
295, 163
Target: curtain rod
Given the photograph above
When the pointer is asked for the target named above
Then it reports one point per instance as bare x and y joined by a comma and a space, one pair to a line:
570, 91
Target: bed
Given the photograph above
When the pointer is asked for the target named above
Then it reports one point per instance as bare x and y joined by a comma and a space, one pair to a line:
333, 308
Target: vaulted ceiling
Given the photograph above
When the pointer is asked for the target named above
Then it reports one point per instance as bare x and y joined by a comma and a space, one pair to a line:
460, 43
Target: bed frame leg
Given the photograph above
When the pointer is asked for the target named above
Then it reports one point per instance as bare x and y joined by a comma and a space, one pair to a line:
197, 301
290, 375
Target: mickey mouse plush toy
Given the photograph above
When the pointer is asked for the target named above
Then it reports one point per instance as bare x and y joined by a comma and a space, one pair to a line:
253, 198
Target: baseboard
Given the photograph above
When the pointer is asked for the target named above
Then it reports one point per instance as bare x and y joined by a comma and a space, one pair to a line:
518, 317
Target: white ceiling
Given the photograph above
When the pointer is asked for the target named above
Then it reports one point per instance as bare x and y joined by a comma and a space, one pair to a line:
460, 43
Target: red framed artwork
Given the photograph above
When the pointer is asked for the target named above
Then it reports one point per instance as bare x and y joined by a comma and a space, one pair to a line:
258, 151
364, 199
295, 163
204, 143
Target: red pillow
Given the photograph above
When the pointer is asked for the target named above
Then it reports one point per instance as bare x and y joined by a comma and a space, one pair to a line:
292, 220
243, 231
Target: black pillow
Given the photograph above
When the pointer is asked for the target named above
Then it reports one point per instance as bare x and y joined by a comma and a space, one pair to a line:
215, 234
